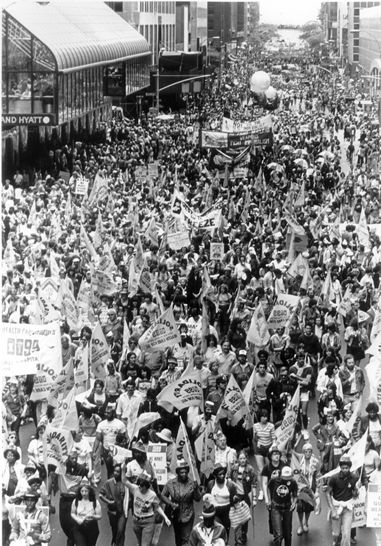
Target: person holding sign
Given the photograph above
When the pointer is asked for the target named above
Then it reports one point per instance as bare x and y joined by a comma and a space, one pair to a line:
146, 505
180, 493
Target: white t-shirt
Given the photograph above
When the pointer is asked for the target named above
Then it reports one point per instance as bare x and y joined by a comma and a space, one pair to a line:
144, 504
110, 430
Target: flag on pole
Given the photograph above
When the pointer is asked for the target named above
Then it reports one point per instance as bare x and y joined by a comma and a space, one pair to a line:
286, 430
205, 449
63, 385
249, 397
66, 415
357, 455
258, 333
233, 404
183, 450
301, 198
126, 337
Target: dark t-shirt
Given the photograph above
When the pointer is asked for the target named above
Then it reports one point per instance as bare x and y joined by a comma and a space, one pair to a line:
282, 490
343, 486
271, 471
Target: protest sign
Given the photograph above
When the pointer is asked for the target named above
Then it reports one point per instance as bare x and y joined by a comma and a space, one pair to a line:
216, 251
258, 333
283, 311
157, 456
285, 432
30, 349
161, 334
214, 139
233, 404
59, 443
183, 450
119, 454
359, 509
82, 186
183, 393
178, 239
63, 384
205, 449
373, 507
100, 352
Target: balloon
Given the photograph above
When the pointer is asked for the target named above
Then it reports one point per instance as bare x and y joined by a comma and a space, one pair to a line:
259, 81
271, 93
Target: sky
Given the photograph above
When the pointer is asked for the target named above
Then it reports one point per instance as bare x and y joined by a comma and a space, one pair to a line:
295, 12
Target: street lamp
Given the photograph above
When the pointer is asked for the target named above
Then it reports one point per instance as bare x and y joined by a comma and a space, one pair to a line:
374, 77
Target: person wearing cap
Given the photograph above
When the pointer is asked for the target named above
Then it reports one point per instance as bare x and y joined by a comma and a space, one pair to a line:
113, 493
139, 464
180, 494
342, 489
242, 366
31, 526
208, 531
106, 435
282, 491
173, 371
271, 470
146, 505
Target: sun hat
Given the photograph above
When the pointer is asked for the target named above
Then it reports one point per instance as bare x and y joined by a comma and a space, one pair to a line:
165, 435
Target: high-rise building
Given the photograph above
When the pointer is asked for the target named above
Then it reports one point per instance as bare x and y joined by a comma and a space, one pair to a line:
354, 9
156, 21
370, 46
228, 21
191, 25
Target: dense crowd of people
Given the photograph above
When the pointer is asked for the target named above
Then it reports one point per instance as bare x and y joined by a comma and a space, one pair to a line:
300, 218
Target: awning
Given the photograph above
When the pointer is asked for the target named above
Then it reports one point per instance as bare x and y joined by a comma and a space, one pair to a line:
80, 34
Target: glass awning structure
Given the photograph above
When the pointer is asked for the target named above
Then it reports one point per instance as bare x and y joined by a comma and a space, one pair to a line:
77, 34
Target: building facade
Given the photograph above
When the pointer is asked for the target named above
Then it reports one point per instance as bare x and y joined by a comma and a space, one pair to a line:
228, 21
191, 26
370, 46
354, 9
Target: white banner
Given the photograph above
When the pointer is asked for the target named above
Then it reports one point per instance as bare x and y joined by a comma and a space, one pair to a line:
100, 352
29, 349
178, 240
258, 333
161, 334
283, 311
373, 508
183, 393
183, 450
59, 443
233, 404
285, 432
69, 306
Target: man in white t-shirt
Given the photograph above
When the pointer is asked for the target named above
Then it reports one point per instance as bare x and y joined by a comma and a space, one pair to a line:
106, 435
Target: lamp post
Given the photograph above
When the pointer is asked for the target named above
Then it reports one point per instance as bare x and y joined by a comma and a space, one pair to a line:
374, 77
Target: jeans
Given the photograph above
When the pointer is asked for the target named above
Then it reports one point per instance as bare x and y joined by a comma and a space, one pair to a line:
66, 521
118, 528
86, 534
144, 529
240, 534
182, 531
282, 526
342, 525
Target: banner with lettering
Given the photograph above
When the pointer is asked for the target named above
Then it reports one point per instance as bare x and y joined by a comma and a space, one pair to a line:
183, 393
63, 384
59, 443
100, 352
233, 404
283, 311
285, 432
161, 334
183, 450
205, 449
32, 349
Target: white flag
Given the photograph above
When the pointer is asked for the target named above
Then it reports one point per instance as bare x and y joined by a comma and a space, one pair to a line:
233, 404
66, 415
161, 334
258, 333
357, 455
285, 432
182, 393
100, 353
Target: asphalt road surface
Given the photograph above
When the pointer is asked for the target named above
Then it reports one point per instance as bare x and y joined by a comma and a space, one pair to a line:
258, 535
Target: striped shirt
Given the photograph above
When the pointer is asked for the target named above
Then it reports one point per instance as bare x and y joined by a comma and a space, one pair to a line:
265, 434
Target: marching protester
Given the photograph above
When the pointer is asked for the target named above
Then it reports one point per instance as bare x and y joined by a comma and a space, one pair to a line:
187, 309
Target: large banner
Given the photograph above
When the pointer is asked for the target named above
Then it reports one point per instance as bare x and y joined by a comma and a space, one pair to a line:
374, 505
183, 393
233, 405
161, 334
214, 139
261, 125
58, 445
285, 432
283, 311
30, 349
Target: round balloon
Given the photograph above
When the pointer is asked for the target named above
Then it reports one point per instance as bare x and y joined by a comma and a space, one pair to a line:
271, 93
259, 81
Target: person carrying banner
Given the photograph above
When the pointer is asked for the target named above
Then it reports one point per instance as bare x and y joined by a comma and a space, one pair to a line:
179, 494
342, 489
